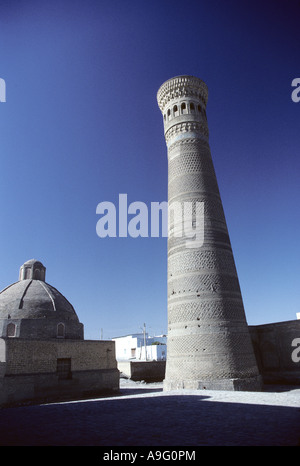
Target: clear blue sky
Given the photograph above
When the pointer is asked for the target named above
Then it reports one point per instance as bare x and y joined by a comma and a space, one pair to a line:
81, 125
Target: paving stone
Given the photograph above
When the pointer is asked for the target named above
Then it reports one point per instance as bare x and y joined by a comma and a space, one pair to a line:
144, 415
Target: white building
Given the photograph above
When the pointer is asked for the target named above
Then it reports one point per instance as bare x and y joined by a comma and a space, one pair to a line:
132, 347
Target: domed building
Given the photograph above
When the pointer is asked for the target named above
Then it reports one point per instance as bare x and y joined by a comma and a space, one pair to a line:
43, 354
31, 308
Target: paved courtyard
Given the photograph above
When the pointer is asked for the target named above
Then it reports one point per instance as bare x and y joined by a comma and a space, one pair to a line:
144, 415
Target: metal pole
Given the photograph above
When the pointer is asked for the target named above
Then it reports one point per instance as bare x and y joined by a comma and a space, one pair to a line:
145, 342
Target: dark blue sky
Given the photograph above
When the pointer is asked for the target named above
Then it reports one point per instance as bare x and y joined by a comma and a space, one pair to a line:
81, 125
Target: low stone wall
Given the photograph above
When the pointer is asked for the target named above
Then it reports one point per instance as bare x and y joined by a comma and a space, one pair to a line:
42, 388
149, 371
277, 351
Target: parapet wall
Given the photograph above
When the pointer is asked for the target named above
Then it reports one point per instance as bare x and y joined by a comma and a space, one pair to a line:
40, 356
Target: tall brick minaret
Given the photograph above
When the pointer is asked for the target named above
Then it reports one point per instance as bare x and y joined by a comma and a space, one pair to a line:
209, 345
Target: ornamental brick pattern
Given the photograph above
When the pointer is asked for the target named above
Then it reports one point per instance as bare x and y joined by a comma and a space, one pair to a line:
209, 345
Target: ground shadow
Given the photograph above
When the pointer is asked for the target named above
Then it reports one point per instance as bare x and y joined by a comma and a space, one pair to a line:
157, 420
272, 388
138, 391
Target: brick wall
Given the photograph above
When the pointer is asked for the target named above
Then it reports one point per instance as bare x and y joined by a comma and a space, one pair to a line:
40, 356
28, 369
273, 347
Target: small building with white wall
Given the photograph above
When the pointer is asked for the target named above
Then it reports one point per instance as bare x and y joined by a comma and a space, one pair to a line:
132, 347
136, 363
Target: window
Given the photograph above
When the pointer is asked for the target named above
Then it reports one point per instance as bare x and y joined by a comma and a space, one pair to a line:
63, 368
175, 110
11, 330
183, 107
133, 352
60, 330
192, 107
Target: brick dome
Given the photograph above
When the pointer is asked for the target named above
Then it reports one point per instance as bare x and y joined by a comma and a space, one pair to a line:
31, 308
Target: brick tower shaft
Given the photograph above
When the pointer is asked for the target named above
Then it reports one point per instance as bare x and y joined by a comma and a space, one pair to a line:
209, 345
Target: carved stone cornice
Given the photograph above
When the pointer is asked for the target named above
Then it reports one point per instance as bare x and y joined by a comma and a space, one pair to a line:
181, 86
190, 126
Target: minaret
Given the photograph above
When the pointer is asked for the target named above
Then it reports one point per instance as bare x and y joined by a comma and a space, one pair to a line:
209, 345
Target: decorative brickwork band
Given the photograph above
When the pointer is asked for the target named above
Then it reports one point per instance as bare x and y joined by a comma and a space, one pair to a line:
209, 345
